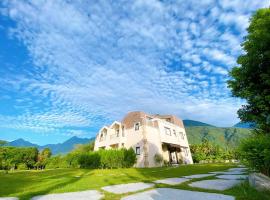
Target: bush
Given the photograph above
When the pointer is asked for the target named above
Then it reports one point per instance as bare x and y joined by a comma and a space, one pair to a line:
129, 157
158, 158
89, 160
255, 151
57, 162
22, 166
210, 152
112, 158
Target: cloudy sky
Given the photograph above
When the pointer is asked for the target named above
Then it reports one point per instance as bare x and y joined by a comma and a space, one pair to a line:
69, 67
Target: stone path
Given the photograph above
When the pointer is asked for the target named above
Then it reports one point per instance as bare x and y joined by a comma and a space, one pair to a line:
199, 175
168, 193
238, 169
125, 188
232, 177
172, 181
216, 184
84, 195
229, 173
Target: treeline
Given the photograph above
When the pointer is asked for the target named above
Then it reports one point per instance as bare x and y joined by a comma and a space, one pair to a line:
208, 152
82, 156
23, 158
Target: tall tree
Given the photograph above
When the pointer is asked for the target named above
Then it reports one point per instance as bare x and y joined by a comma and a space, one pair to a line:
251, 79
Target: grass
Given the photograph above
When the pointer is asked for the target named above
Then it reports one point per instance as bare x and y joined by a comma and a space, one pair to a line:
26, 184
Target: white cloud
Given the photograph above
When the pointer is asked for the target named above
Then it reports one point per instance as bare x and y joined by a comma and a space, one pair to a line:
96, 61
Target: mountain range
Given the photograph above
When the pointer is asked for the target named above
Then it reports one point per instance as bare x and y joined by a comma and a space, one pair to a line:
60, 148
228, 137
196, 132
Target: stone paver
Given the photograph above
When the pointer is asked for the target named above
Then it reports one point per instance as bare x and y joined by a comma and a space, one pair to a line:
9, 198
172, 181
125, 188
239, 169
199, 175
228, 173
168, 193
233, 177
216, 184
84, 195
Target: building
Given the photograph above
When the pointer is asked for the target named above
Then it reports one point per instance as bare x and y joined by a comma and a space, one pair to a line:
148, 135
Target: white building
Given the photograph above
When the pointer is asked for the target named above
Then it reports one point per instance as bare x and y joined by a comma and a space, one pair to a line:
148, 135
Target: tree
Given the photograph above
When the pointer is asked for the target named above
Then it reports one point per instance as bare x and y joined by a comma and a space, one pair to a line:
251, 79
43, 157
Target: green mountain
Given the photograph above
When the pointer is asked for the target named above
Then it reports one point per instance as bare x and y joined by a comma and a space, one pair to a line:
224, 137
188, 122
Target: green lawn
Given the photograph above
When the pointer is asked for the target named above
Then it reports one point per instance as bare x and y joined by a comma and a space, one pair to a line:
25, 184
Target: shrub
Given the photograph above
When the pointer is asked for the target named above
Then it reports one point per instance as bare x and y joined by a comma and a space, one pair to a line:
255, 151
129, 157
22, 166
89, 160
158, 158
113, 158
57, 162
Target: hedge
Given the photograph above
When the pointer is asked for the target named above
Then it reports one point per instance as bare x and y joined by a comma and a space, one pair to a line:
112, 158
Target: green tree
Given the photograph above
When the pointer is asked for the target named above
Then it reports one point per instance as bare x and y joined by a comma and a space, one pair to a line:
43, 158
251, 79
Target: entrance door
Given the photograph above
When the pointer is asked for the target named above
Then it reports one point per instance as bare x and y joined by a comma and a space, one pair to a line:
174, 157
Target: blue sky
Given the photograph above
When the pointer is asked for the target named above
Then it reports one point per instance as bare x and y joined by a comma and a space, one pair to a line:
69, 67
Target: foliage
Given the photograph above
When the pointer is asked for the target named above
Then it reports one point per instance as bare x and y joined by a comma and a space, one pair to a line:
83, 148
129, 157
208, 151
158, 158
89, 160
12, 157
251, 79
256, 152
113, 158
57, 161
43, 157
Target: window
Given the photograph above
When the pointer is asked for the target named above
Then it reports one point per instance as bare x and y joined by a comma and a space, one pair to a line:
181, 135
138, 150
137, 126
167, 131
123, 132
117, 132
174, 132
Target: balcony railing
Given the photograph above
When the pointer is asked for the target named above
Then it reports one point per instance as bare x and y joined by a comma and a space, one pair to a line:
114, 136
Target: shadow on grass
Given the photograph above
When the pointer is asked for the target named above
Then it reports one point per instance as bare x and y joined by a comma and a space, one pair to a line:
52, 187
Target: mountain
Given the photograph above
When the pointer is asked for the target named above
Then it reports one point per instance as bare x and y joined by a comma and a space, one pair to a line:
244, 125
224, 137
21, 143
188, 123
60, 148
66, 146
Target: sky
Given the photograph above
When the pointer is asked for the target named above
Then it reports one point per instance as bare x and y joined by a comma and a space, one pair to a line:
69, 67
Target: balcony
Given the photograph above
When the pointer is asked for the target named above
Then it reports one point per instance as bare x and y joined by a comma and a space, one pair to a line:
114, 136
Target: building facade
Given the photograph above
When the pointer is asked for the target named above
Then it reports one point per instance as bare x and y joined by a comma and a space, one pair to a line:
148, 135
